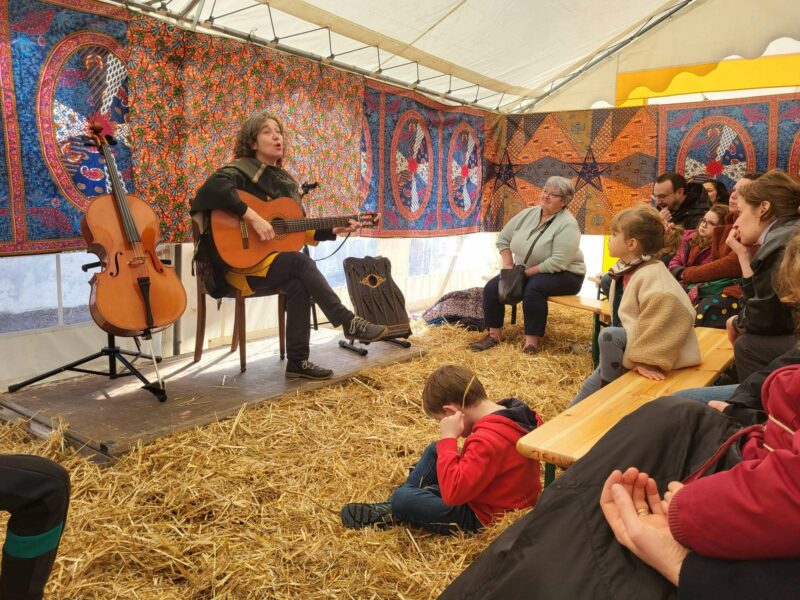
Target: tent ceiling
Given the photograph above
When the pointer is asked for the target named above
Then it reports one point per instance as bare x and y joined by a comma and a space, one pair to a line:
497, 55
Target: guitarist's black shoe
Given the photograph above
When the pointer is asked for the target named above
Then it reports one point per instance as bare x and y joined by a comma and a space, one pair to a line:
364, 331
296, 369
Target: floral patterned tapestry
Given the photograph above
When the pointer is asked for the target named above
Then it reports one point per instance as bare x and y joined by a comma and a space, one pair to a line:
62, 65
190, 93
421, 164
609, 154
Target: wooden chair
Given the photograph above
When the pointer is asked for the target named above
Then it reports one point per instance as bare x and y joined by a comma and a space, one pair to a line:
239, 337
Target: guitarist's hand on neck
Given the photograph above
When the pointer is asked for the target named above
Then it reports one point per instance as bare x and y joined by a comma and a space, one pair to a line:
366, 220
352, 227
261, 226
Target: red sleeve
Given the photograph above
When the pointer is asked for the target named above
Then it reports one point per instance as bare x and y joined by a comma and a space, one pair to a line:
463, 476
751, 511
722, 268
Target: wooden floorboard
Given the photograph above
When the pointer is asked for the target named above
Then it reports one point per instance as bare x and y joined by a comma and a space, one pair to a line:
112, 416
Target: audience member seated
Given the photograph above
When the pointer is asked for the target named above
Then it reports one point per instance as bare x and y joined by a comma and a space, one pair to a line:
743, 402
731, 508
718, 280
673, 234
681, 203
769, 216
465, 490
695, 247
546, 239
717, 192
652, 320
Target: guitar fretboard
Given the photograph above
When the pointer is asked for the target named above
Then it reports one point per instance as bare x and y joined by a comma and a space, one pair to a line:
296, 225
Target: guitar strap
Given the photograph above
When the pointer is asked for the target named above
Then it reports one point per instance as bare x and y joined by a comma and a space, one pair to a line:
251, 168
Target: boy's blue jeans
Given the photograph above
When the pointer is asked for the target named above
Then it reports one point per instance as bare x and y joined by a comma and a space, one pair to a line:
419, 502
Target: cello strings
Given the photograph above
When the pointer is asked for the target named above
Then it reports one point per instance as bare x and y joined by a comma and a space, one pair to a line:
129, 223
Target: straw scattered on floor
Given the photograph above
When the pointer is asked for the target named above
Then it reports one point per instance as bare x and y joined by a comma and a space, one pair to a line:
249, 507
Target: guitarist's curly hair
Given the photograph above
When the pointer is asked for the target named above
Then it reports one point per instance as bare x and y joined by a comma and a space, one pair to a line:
248, 132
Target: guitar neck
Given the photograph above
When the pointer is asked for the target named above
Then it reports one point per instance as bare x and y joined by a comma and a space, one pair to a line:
296, 225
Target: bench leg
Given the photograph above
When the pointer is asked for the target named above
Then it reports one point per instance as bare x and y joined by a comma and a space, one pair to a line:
549, 474
595, 342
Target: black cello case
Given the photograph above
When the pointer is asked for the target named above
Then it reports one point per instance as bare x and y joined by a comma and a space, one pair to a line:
375, 295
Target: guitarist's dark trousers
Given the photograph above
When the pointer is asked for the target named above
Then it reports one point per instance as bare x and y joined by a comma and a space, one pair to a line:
297, 276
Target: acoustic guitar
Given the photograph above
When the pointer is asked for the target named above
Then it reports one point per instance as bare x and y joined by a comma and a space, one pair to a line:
239, 246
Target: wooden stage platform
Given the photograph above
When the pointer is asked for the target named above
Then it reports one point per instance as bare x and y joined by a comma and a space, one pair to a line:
108, 417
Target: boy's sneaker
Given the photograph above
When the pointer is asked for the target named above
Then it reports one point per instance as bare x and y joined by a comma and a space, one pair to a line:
364, 331
359, 515
307, 370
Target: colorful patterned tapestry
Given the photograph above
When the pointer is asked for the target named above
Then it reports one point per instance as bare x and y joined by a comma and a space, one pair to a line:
421, 164
609, 154
62, 64
788, 141
191, 91
721, 139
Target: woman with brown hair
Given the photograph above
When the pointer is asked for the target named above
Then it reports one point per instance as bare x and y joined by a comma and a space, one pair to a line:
258, 169
763, 330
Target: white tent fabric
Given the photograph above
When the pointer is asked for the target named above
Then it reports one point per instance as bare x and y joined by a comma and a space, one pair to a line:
493, 54
703, 32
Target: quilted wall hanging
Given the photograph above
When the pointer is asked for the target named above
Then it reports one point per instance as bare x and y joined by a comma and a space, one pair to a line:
62, 64
788, 137
421, 164
609, 154
721, 140
191, 92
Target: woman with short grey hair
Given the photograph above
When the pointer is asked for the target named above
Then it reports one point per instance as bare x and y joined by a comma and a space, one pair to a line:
545, 239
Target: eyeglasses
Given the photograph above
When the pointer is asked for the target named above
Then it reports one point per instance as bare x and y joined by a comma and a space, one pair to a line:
662, 196
551, 194
708, 223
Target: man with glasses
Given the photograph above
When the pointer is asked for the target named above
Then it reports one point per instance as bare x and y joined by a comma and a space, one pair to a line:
680, 202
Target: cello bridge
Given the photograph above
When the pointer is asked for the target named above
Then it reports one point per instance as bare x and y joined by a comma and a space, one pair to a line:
137, 260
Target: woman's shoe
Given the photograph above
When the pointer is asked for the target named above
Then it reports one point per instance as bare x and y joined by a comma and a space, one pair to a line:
484, 344
531, 349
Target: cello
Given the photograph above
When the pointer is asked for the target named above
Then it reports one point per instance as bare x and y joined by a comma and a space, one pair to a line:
134, 294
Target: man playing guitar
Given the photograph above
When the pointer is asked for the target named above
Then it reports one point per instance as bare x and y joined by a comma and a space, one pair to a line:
258, 151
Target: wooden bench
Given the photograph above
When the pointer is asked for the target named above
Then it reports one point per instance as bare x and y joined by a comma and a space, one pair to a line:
601, 316
566, 438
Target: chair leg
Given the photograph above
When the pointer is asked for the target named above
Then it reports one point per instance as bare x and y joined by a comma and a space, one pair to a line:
242, 338
200, 330
282, 324
238, 307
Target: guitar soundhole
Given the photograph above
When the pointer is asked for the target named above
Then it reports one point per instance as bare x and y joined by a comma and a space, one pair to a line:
372, 280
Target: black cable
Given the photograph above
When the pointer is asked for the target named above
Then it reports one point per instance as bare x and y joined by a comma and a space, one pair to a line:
335, 251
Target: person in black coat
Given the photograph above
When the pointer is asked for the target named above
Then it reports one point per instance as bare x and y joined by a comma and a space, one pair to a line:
769, 217
258, 170
680, 202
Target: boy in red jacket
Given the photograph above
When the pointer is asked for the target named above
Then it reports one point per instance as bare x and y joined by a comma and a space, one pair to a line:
447, 489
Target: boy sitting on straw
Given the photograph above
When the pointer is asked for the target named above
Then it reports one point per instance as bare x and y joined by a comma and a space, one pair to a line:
447, 489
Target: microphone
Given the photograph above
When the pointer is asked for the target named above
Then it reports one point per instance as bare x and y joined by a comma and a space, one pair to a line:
307, 187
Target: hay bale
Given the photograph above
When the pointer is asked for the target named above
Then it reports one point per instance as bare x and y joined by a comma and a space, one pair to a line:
248, 507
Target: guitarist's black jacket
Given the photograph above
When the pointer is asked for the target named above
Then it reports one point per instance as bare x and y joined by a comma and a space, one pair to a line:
219, 192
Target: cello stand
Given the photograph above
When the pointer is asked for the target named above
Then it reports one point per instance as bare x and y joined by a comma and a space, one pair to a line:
114, 354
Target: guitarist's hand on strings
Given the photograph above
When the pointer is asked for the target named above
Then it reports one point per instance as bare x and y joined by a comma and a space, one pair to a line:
261, 226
